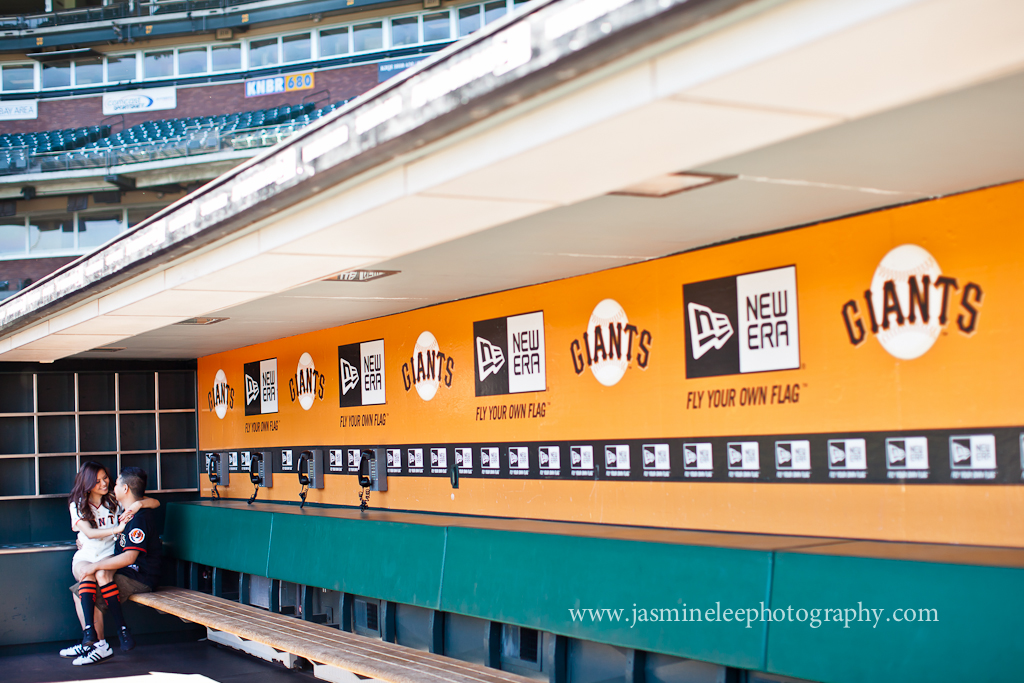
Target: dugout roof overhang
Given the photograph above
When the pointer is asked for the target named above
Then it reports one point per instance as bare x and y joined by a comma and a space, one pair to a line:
497, 164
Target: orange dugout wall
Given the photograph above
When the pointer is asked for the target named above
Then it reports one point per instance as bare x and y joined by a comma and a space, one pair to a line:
857, 378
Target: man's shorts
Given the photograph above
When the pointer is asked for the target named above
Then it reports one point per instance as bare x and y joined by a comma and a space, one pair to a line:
126, 587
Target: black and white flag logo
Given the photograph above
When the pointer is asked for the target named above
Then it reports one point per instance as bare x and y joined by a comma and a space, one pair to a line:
252, 390
510, 355
489, 358
361, 374
261, 387
742, 323
710, 330
349, 376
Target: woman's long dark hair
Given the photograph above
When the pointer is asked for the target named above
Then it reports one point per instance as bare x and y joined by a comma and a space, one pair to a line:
87, 478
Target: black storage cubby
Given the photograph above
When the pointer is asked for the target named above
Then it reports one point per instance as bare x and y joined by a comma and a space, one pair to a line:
18, 477
95, 391
136, 391
97, 433
17, 436
55, 392
15, 393
177, 430
56, 433
177, 391
179, 470
57, 475
138, 432
146, 461
108, 461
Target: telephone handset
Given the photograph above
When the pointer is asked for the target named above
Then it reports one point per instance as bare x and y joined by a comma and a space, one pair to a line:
255, 474
367, 470
303, 469
255, 477
212, 465
217, 470
372, 474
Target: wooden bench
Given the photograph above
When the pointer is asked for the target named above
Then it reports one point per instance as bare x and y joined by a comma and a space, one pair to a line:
366, 657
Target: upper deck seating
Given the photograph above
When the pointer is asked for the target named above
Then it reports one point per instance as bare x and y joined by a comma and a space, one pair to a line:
96, 146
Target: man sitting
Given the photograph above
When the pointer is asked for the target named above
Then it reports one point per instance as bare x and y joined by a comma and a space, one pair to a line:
136, 560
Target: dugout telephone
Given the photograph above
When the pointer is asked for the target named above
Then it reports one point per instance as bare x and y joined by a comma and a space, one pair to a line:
260, 473
217, 470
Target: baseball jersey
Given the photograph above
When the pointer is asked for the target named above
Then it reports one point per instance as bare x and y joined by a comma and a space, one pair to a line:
94, 549
140, 535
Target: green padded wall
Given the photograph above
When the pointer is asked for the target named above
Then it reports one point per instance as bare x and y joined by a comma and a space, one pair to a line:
534, 579
978, 635
238, 540
386, 560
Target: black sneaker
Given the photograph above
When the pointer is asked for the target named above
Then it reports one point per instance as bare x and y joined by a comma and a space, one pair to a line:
125, 636
89, 636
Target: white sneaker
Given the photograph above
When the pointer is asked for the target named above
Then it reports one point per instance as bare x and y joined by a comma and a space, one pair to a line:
76, 650
96, 654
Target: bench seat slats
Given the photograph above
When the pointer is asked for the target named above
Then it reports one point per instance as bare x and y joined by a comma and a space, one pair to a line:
322, 644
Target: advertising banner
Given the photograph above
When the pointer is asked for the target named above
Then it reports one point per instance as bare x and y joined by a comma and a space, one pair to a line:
132, 101
869, 361
273, 85
19, 110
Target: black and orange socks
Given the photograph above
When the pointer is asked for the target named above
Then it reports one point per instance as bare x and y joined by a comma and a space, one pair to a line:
87, 594
112, 596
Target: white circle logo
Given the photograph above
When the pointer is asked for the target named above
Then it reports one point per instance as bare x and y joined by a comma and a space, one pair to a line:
608, 318
220, 394
428, 352
306, 374
891, 290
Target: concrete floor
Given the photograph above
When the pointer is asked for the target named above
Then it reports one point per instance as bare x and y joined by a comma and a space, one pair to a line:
216, 662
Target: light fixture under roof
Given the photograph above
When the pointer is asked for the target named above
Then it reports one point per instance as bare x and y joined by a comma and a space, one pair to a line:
200, 321
671, 183
107, 349
361, 275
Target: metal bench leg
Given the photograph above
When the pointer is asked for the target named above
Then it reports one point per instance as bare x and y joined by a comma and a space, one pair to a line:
307, 603
275, 595
636, 662
436, 626
218, 582
388, 632
347, 605
492, 645
243, 589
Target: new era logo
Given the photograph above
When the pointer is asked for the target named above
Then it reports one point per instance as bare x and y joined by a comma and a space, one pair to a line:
361, 374
489, 358
509, 354
261, 387
252, 390
349, 377
709, 330
743, 323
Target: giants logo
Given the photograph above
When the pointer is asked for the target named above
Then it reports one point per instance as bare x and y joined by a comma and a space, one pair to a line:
908, 304
745, 323
307, 384
361, 374
427, 367
610, 343
509, 354
221, 396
